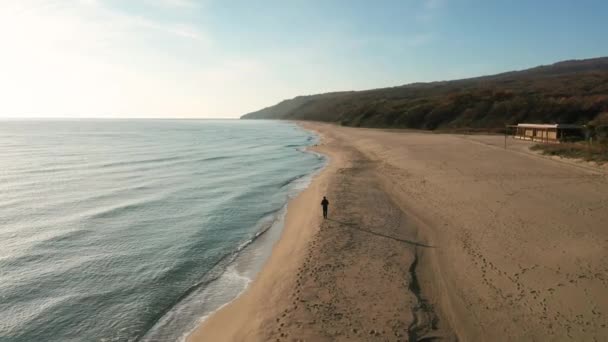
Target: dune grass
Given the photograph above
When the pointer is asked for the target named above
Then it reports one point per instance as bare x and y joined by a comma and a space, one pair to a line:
590, 152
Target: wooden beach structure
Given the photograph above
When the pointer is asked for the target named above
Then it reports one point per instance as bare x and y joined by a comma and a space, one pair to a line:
547, 133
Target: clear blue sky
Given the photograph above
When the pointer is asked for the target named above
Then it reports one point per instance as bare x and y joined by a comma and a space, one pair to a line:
187, 58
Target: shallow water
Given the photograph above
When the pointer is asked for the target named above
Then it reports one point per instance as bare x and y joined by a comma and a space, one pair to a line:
118, 229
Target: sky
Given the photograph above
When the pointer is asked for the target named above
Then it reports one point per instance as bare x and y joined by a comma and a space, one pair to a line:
225, 58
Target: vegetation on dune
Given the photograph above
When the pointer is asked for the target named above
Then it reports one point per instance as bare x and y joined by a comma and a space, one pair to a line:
598, 128
566, 92
581, 150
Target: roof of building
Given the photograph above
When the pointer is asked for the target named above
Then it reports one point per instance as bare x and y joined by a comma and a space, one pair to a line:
545, 126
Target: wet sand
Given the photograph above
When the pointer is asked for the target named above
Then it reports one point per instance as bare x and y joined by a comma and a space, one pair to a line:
432, 236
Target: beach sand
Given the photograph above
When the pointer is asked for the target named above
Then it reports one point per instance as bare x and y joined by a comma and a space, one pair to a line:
432, 235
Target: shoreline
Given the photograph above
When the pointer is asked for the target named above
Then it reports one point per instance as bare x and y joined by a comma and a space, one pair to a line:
226, 323
299, 296
234, 276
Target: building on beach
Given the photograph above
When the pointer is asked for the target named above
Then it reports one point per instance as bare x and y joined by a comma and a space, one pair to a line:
549, 133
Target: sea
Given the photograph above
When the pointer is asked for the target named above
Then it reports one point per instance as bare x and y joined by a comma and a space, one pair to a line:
136, 230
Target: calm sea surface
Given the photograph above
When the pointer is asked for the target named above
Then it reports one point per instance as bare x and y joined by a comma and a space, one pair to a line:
134, 230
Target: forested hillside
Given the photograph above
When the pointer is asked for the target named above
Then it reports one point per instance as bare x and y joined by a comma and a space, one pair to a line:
566, 92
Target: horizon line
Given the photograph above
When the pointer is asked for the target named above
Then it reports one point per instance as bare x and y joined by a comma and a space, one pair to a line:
108, 118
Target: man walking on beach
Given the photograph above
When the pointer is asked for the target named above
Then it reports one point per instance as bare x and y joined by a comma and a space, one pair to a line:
325, 204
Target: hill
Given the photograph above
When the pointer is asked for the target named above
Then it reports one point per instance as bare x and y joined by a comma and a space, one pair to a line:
573, 91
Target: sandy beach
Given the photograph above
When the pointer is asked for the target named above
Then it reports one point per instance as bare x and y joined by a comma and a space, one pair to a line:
432, 236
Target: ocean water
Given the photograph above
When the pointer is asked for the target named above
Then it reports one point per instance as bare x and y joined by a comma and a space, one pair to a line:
135, 230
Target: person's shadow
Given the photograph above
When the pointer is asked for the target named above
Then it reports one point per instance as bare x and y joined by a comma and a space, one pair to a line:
355, 226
